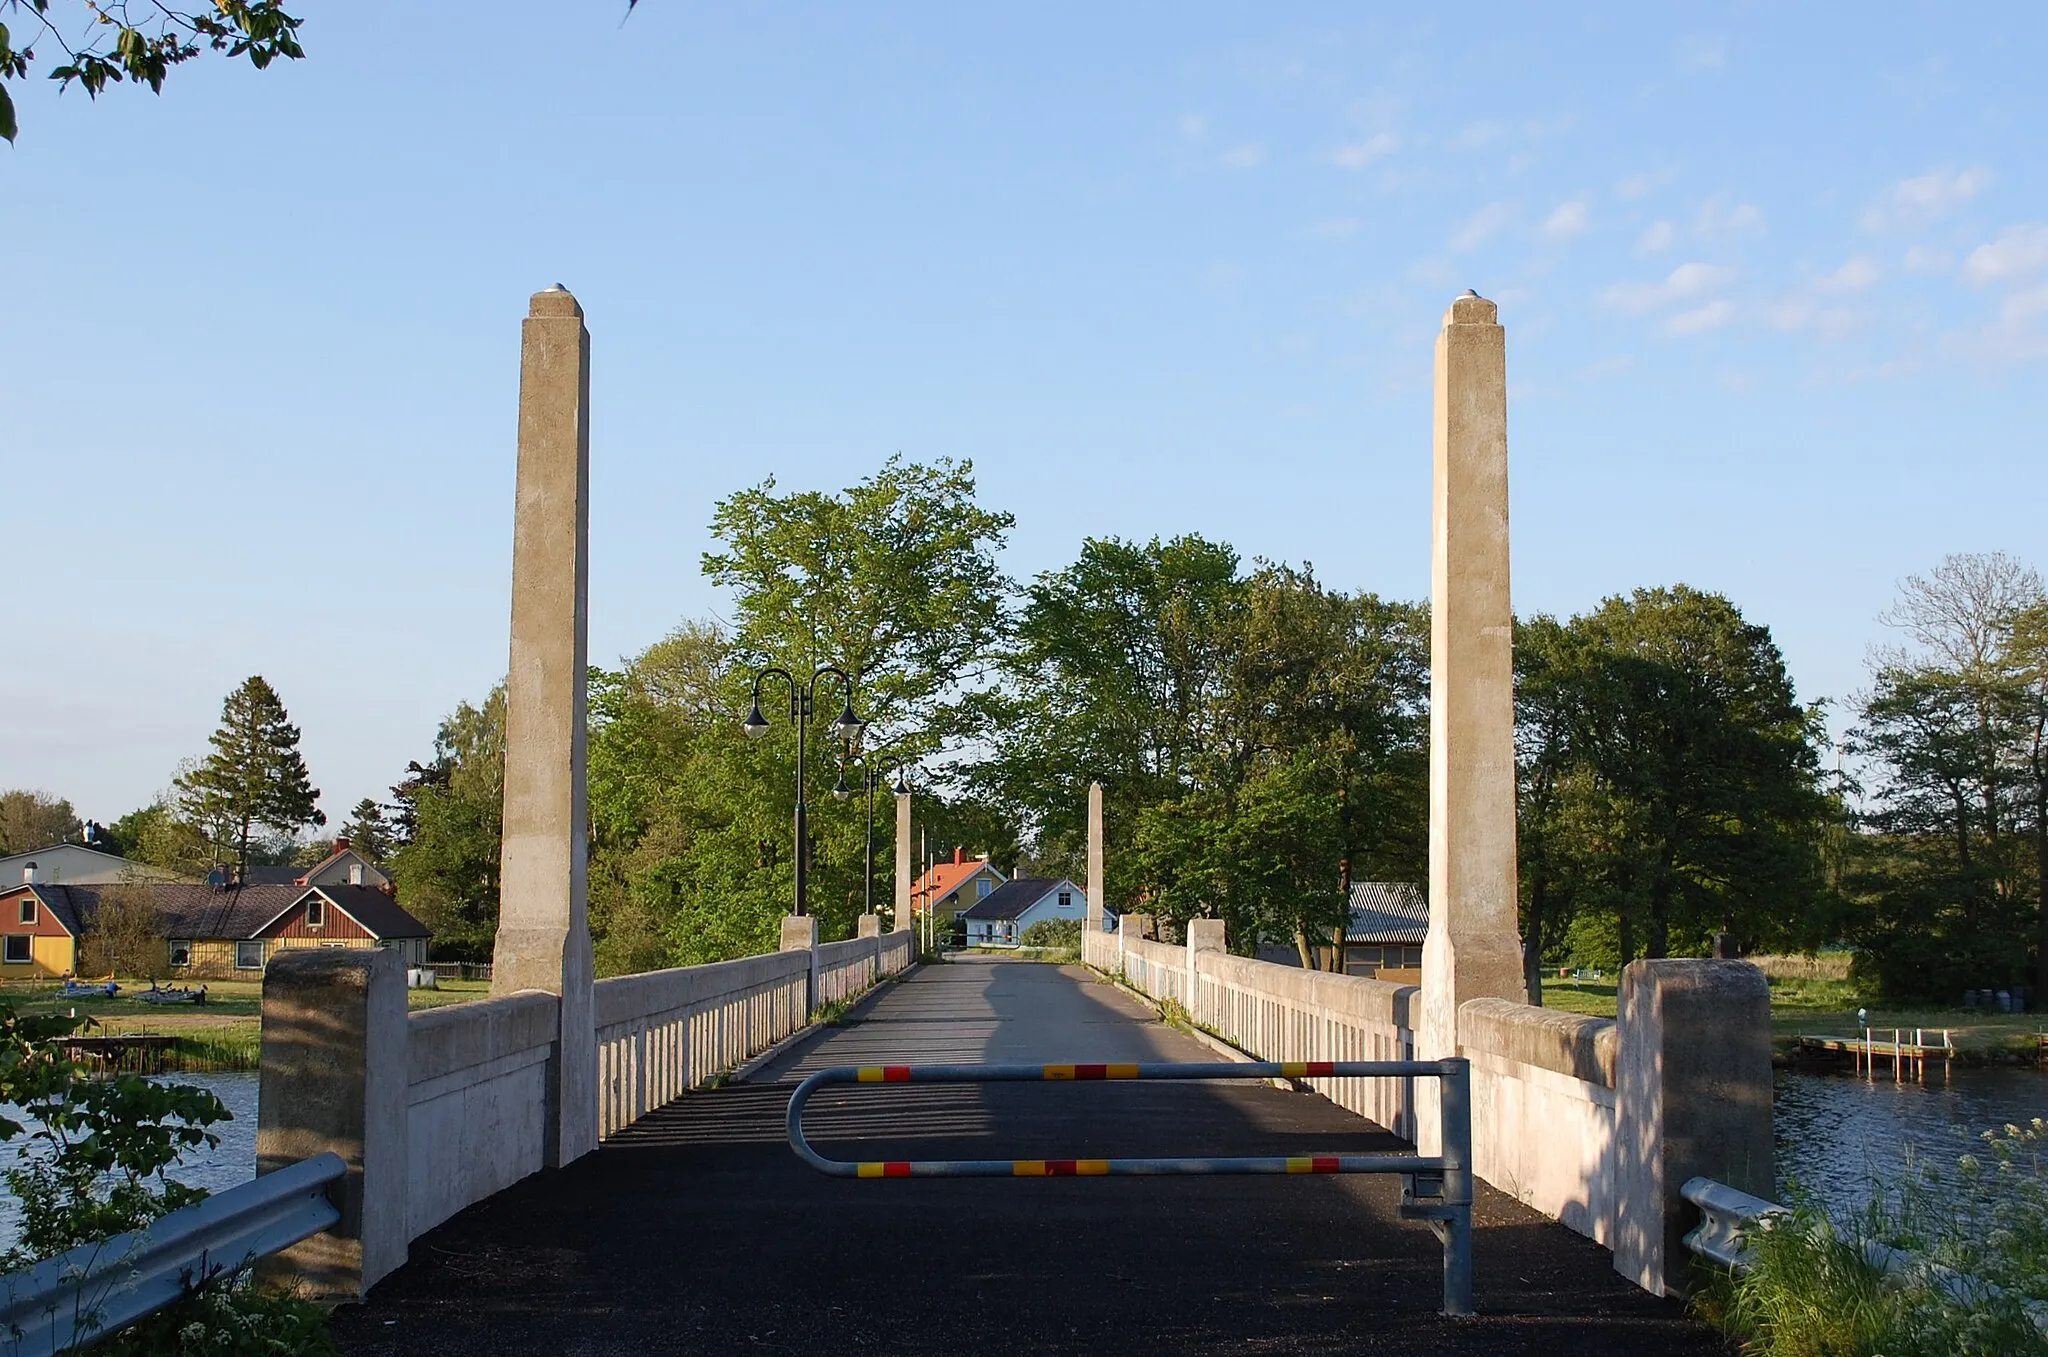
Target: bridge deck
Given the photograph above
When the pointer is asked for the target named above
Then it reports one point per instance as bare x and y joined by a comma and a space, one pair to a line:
698, 1231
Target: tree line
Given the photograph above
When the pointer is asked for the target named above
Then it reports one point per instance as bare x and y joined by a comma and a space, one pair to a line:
1262, 737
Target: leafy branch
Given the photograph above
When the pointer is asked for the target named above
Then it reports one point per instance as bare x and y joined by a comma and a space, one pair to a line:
122, 40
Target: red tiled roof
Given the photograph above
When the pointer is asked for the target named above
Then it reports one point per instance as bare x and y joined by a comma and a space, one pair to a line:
945, 878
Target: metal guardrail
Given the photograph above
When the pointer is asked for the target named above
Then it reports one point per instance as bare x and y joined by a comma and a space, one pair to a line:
1436, 1189
97, 1290
1727, 1216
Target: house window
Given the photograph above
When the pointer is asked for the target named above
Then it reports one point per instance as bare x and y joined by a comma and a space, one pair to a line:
982, 888
18, 952
181, 953
1066, 900
249, 956
28, 909
316, 912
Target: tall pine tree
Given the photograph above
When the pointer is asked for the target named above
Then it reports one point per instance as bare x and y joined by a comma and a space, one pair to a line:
254, 778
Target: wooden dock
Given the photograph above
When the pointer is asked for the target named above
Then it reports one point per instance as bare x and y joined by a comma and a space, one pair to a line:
1906, 1052
141, 1052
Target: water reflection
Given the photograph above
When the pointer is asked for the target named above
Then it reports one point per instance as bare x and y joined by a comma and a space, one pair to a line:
228, 1163
1838, 1132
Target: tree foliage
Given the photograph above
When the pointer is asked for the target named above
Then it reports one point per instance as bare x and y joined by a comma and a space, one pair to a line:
30, 820
1670, 784
104, 42
254, 778
1950, 868
123, 937
449, 828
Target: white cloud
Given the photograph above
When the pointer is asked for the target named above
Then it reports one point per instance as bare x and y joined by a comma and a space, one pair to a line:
1655, 240
1643, 185
1703, 54
1248, 156
1927, 259
1193, 126
1336, 228
2026, 305
1478, 136
1606, 367
1859, 272
1801, 315
1480, 227
2018, 251
1925, 198
1570, 219
1719, 218
1683, 283
1712, 316
1360, 154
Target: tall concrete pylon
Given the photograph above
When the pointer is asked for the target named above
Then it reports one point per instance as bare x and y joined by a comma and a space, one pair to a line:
904, 922
1472, 950
1096, 885
543, 917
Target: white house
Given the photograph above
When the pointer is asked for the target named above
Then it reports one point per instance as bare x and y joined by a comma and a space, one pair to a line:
1000, 918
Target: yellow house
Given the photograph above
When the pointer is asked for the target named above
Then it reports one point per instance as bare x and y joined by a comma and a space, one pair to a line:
38, 931
208, 931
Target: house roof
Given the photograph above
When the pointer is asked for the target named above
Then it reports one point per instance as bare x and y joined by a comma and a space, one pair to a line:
368, 906
1012, 898
66, 863
56, 899
1387, 911
273, 876
946, 877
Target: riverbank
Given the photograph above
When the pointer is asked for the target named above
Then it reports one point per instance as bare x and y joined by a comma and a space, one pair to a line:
224, 1033
1810, 1007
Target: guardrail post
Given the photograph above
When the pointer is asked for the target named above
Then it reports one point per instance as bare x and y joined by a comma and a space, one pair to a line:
334, 1073
1457, 1235
800, 934
1692, 1099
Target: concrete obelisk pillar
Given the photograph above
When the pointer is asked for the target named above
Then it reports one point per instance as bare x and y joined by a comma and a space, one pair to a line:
1097, 901
1472, 949
543, 919
904, 922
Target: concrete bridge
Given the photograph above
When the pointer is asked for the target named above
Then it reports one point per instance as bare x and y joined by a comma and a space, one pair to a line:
559, 1168
696, 1229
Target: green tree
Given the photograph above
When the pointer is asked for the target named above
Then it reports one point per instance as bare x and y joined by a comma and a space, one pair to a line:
449, 830
369, 832
1672, 777
157, 835
1948, 873
30, 820
1113, 677
254, 778
102, 44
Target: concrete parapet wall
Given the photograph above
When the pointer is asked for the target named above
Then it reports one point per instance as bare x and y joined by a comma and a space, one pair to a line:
477, 1102
662, 1033
1570, 1044
1543, 1109
846, 969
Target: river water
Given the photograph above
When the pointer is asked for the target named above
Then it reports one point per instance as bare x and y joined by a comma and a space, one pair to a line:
1836, 1132
1839, 1132
230, 1162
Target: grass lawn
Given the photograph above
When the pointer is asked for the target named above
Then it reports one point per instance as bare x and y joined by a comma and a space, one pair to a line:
231, 1005
1827, 1008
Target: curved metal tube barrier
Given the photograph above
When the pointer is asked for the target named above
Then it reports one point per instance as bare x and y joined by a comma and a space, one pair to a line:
1435, 1188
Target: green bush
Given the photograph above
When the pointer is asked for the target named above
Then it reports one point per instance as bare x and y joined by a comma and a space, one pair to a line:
1064, 933
94, 1166
1978, 1234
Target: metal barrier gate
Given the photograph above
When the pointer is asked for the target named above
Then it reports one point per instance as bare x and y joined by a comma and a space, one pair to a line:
1434, 1188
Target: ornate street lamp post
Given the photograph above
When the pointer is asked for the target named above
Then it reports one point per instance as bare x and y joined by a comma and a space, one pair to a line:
802, 704
870, 774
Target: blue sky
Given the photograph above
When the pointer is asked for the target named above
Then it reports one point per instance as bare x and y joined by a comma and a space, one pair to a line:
1775, 281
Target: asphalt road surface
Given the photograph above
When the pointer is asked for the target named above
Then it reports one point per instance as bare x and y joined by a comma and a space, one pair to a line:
698, 1231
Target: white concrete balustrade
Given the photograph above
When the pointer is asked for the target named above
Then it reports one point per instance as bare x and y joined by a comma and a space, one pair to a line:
437, 1110
1593, 1122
